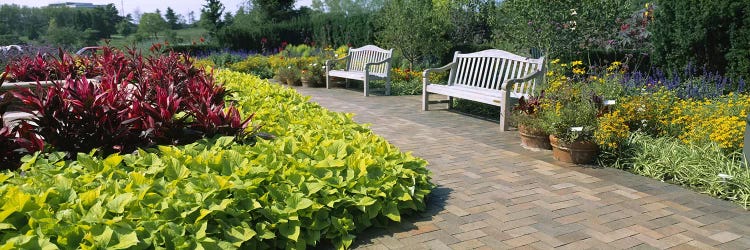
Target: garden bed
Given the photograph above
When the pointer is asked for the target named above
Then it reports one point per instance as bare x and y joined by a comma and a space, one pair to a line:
323, 178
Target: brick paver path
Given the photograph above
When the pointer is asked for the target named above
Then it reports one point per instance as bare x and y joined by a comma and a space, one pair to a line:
493, 194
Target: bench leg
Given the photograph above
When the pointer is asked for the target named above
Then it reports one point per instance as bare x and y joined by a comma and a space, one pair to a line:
366, 87
504, 112
328, 81
388, 86
347, 83
425, 100
450, 102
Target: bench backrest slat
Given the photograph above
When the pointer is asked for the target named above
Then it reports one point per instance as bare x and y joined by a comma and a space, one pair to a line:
359, 57
488, 69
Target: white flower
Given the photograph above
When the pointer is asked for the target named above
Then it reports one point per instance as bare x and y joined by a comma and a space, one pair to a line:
725, 176
573, 12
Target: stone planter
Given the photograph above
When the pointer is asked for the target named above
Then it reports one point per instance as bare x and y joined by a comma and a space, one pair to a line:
580, 152
534, 140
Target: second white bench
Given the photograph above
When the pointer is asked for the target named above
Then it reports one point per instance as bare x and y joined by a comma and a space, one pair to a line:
490, 76
365, 64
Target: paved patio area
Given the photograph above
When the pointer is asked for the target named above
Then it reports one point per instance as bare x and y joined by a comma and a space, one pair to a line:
493, 194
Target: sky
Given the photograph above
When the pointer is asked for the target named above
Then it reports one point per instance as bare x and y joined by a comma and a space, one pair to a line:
146, 6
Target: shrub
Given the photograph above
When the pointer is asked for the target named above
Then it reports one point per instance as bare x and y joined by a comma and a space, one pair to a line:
257, 65
561, 29
712, 34
324, 178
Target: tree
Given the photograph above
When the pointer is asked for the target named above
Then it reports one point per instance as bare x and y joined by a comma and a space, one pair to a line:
211, 16
126, 26
191, 18
228, 18
172, 19
61, 36
274, 10
152, 23
413, 28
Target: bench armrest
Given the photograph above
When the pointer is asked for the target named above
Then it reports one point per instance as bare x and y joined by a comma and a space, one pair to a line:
368, 65
522, 79
331, 61
426, 72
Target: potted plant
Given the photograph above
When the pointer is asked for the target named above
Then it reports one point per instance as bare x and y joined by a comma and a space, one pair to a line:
571, 122
288, 75
530, 126
312, 75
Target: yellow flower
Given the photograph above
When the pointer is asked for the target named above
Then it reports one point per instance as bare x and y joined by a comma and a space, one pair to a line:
576, 63
556, 61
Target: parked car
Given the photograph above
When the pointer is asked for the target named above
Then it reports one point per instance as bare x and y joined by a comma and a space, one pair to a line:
88, 50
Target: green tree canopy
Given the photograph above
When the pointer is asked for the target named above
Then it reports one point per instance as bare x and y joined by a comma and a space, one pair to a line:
274, 10
211, 16
152, 23
414, 28
172, 19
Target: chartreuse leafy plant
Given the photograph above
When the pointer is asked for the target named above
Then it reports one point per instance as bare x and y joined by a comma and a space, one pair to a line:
324, 178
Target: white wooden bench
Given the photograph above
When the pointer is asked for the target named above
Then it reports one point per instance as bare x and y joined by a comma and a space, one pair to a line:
364, 64
490, 76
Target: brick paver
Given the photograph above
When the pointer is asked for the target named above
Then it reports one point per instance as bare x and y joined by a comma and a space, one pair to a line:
493, 194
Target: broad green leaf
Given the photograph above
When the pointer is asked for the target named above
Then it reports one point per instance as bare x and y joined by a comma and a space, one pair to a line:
4, 226
88, 162
242, 234
126, 241
28, 242
5, 176
95, 214
297, 202
201, 233
119, 202
112, 161
223, 181
314, 187
89, 197
365, 201
391, 211
290, 229
102, 235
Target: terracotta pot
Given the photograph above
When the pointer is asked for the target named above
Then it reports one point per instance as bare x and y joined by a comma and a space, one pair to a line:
580, 152
305, 81
533, 140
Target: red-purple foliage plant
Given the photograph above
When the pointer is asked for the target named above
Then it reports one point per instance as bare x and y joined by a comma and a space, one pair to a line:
15, 141
136, 102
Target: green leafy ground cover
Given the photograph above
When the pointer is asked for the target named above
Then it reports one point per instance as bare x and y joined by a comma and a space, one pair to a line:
324, 178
